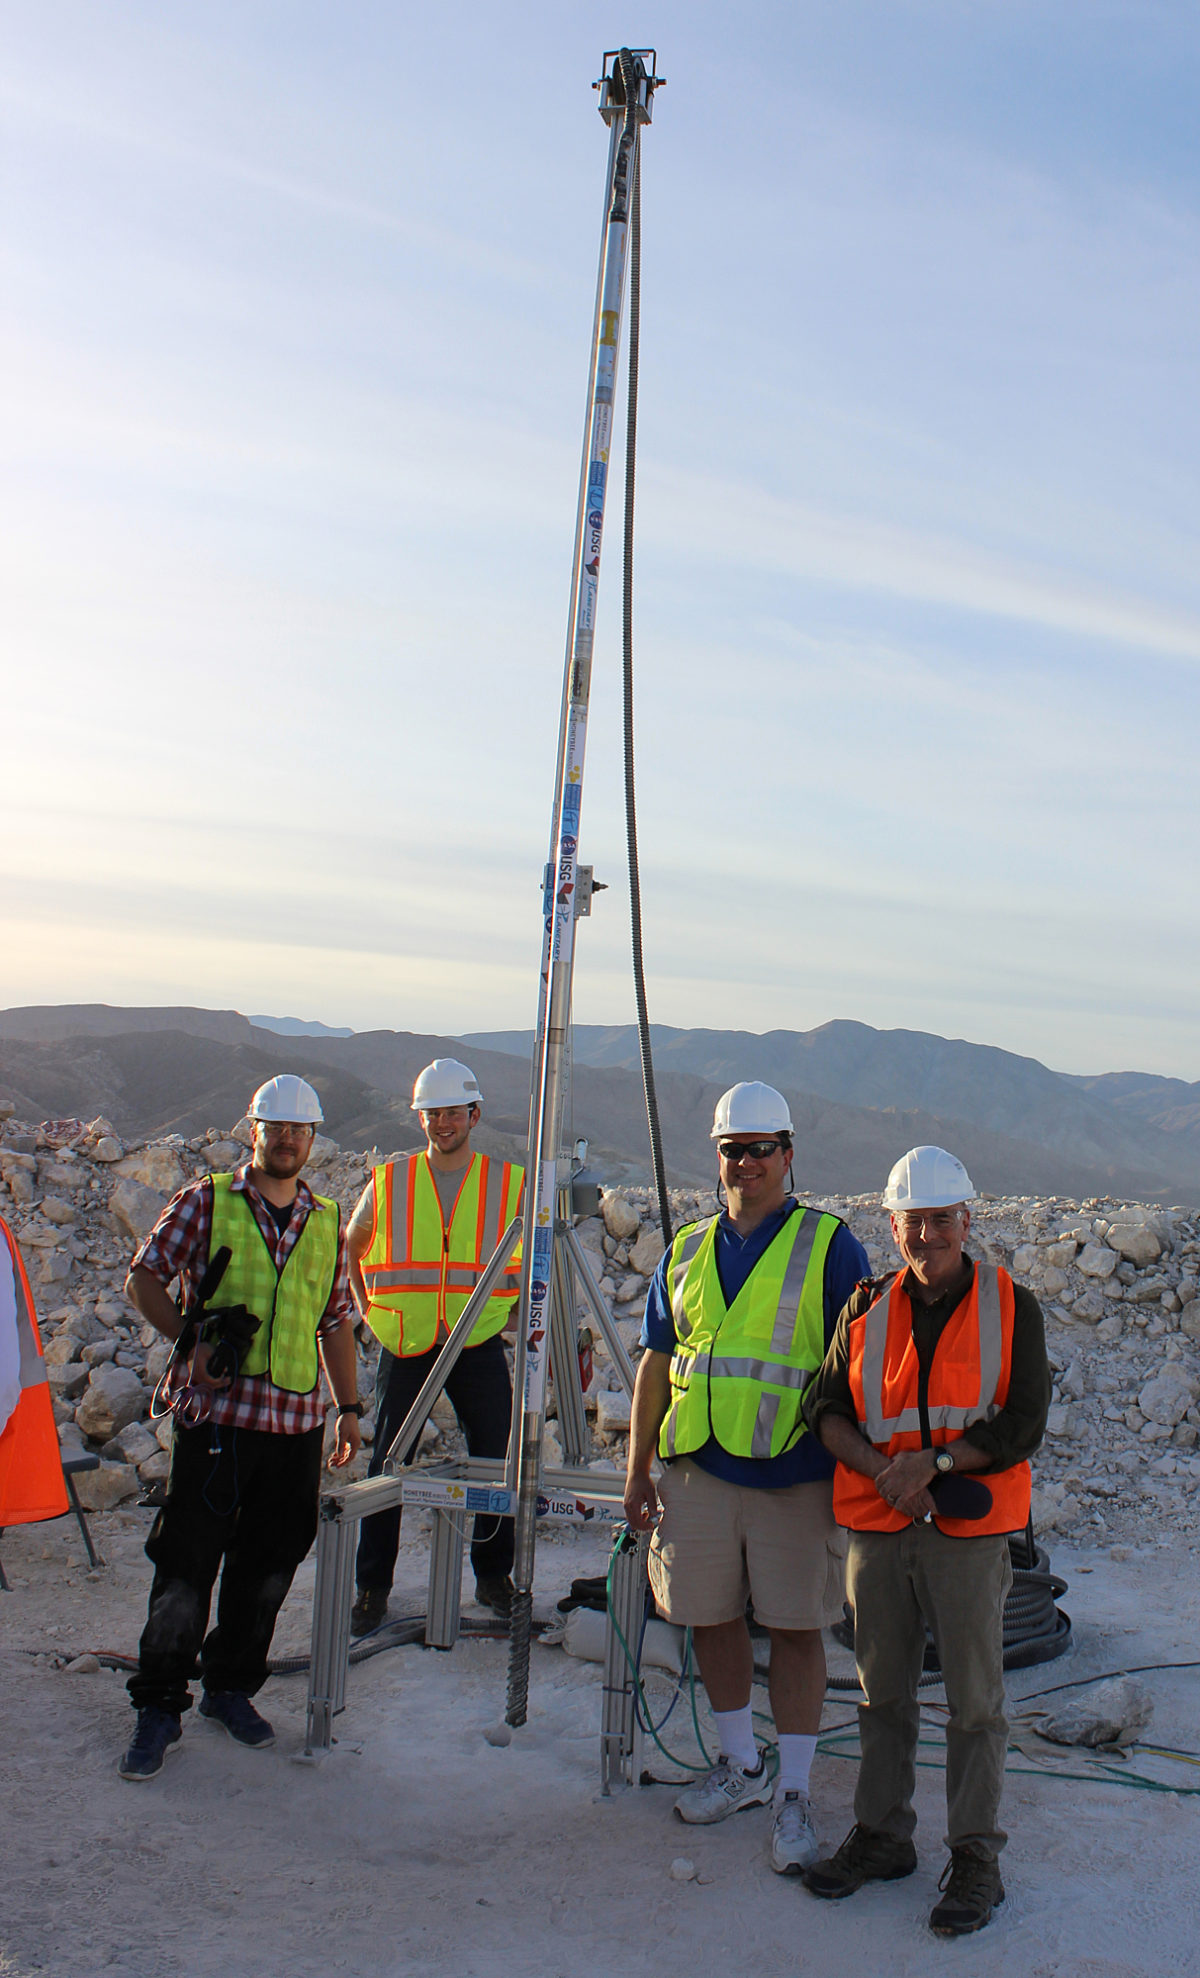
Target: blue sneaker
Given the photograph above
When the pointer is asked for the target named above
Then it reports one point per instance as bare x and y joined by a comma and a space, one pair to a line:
234, 1712
157, 1730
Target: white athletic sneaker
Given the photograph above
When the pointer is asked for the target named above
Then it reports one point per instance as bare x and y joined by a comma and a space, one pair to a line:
793, 1843
727, 1789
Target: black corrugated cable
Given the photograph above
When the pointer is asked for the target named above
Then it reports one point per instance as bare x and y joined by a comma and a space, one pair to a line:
635, 884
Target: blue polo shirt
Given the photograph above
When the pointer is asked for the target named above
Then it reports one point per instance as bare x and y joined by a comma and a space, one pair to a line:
846, 1264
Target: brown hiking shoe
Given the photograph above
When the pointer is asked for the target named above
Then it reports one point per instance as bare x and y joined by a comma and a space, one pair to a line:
973, 1889
862, 1857
369, 1610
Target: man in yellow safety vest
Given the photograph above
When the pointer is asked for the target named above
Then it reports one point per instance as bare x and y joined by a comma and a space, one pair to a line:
264, 1309
740, 1312
419, 1240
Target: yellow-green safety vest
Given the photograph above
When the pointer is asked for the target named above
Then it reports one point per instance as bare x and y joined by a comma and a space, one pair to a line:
288, 1304
420, 1273
738, 1371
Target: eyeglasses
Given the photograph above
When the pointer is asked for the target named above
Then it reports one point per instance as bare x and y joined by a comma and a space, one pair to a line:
748, 1150
286, 1130
939, 1219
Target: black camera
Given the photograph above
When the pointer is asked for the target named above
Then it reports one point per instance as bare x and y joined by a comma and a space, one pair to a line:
228, 1333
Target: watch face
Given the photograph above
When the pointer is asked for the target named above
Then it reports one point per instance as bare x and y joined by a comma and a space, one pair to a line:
943, 1461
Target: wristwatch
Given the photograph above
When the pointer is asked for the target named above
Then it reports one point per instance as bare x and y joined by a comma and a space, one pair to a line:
943, 1462
351, 1408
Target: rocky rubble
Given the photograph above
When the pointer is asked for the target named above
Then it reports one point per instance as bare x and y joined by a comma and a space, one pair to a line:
1119, 1284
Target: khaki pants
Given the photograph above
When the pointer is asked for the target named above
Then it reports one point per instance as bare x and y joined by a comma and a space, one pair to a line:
896, 1581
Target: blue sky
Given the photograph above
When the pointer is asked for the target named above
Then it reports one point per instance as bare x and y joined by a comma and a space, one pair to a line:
294, 353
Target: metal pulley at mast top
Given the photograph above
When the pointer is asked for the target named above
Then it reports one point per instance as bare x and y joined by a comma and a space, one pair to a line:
626, 88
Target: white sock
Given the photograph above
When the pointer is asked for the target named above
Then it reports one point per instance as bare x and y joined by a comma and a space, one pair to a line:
795, 1762
735, 1728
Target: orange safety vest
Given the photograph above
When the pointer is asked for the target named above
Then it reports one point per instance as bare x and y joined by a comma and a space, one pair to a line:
32, 1485
968, 1382
419, 1273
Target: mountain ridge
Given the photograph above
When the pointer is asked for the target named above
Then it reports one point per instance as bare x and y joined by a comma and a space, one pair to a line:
1019, 1127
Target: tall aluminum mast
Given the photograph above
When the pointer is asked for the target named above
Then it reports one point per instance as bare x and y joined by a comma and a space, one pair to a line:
626, 103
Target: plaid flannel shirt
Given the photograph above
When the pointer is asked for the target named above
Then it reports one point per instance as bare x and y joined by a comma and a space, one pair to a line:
178, 1245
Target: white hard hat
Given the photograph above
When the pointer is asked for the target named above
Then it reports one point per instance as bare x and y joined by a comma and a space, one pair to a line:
287, 1098
751, 1108
927, 1178
445, 1083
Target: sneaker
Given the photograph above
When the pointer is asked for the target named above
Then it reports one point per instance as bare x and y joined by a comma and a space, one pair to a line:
793, 1843
369, 1610
157, 1731
973, 1890
495, 1590
727, 1789
863, 1857
234, 1712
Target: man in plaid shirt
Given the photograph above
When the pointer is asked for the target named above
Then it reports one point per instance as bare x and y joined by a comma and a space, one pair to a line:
245, 1474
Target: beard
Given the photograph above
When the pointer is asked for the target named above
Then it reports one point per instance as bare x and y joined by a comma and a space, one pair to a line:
281, 1163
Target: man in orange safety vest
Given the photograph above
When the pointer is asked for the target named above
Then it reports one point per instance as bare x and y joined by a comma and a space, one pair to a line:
420, 1238
932, 1397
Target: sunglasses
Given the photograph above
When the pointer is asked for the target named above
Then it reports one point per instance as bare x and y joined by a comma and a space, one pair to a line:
748, 1150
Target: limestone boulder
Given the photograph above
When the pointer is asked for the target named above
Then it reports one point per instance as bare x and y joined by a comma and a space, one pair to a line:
107, 1149
98, 1351
1138, 1235
1167, 1397
222, 1155
115, 1397
1189, 1319
132, 1444
57, 1210
67, 1380
1107, 1713
1063, 1423
61, 1351
646, 1254
1148, 1290
1060, 1253
155, 1167
612, 1413
110, 1485
621, 1219
1097, 1260
135, 1208
1089, 1308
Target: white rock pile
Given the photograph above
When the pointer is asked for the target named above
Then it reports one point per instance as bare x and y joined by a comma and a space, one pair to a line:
1118, 1283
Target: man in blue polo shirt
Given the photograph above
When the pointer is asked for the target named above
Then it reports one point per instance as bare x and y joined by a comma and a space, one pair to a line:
740, 1312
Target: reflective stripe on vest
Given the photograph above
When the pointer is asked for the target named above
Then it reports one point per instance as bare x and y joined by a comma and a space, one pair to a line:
968, 1382
982, 1403
738, 1371
32, 1485
288, 1304
418, 1271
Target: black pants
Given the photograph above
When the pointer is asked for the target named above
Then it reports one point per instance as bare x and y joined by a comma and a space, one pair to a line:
481, 1394
250, 1498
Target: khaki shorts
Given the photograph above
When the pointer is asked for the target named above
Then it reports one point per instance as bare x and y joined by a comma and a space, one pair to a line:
720, 1543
